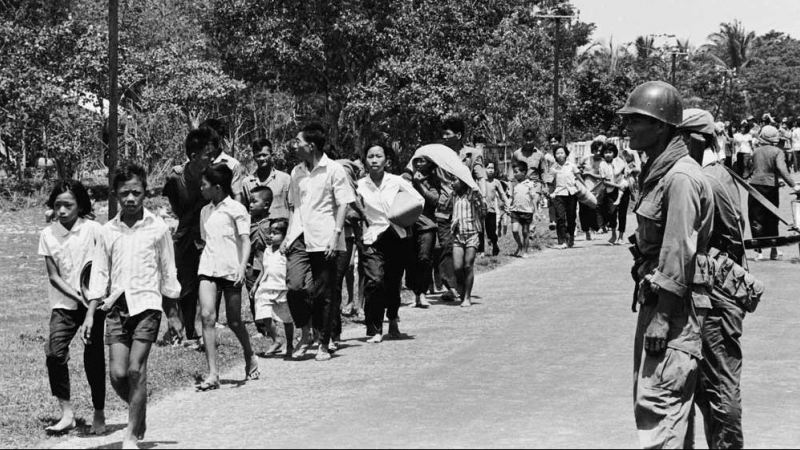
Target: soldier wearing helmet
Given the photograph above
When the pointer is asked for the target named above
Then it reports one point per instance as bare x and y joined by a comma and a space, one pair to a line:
676, 214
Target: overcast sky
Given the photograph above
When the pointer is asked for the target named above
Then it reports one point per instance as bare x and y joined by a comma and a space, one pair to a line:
693, 19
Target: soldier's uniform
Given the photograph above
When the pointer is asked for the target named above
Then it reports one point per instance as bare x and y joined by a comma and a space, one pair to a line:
676, 214
718, 391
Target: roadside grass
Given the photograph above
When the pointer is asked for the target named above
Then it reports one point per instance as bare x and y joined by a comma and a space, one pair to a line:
26, 406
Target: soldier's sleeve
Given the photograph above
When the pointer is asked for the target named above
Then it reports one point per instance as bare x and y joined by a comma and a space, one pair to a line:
682, 207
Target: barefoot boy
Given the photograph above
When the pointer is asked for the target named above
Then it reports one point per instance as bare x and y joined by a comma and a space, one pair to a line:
135, 262
524, 201
467, 219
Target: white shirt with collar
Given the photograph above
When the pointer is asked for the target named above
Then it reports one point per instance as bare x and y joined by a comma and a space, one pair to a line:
138, 262
220, 227
378, 201
71, 250
316, 195
236, 168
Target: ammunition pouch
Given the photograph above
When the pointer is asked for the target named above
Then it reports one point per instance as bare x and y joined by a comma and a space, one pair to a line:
735, 282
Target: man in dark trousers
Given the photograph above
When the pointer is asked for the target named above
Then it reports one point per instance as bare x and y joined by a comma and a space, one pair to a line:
719, 388
182, 188
676, 214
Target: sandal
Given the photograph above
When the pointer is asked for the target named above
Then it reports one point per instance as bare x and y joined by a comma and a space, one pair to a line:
252, 374
274, 349
206, 386
301, 352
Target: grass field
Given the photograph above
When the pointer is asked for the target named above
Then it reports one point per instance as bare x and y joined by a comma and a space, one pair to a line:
26, 406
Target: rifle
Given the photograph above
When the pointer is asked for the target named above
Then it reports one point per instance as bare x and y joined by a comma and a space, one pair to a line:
638, 258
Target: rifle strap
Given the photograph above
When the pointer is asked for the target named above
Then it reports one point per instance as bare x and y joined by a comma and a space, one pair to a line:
757, 196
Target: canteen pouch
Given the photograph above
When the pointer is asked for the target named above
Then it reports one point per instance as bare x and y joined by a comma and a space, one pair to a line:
736, 283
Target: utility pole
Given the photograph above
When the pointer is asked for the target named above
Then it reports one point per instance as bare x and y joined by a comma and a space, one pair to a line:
556, 59
113, 102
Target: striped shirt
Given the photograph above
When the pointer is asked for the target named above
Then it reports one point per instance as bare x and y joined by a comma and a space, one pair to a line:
138, 262
465, 217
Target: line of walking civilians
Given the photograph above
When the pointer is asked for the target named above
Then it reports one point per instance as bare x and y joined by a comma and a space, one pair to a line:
288, 238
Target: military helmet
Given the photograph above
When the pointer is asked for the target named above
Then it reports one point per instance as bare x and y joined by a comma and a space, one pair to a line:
655, 99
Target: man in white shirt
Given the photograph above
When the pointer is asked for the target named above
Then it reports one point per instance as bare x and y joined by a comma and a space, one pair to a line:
319, 195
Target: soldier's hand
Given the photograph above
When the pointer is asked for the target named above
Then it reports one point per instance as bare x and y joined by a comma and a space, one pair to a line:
655, 338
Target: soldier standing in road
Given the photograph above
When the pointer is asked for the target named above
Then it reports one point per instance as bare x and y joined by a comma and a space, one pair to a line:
676, 213
718, 391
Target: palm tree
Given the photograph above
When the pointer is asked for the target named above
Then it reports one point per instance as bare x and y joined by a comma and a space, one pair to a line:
732, 47
645, 47
603, 55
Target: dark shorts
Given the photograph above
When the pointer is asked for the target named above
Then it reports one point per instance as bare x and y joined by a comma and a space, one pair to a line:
121, 328
522, 217
222, 284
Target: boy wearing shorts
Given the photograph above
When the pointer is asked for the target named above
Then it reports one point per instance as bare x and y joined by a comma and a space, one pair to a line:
524, 199
133, 272
467, 219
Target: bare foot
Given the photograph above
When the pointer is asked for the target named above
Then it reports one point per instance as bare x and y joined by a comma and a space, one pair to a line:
67, 423
377, 339
99, 423
422, 302
466, 303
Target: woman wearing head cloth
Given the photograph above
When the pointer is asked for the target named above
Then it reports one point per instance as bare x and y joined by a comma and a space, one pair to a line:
769, 167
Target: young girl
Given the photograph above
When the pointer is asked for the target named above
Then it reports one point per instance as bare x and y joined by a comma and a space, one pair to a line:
225, 229
612, 170
67, 247
564, 199
133, 275
496, 201
271, 290
467, 218
383, 241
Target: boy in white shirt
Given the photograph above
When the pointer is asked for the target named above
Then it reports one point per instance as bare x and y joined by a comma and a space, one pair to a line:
133, 273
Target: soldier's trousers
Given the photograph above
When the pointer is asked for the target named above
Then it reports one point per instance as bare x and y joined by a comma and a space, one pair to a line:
718, 392
664, 389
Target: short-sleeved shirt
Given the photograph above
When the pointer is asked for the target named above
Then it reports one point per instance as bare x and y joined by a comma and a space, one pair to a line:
743, 142
70, 250
236, 168
613, 172
274, 273
220, 227
492, 187
186, 200
315, 195
796, 139
564, 179
279, 183
258, 242
524, 197
536, 163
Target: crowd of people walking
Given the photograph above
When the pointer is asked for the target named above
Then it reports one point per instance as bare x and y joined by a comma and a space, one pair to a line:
290, 244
